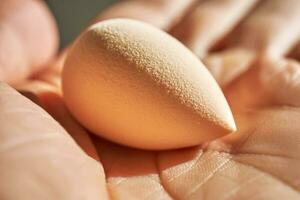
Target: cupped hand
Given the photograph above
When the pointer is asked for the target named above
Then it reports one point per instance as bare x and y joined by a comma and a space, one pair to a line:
245, 45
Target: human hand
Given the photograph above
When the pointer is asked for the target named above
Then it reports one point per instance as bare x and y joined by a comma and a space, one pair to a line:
259, 161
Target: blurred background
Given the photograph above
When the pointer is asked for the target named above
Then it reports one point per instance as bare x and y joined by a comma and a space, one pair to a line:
73, 15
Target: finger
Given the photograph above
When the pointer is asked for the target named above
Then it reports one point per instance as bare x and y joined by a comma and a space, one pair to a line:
160, 13
271, 30
37, 154
272, 82
130, 173
202, 28
52, 73
28, 38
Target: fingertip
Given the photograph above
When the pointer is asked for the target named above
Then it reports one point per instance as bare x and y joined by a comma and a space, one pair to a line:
32, 38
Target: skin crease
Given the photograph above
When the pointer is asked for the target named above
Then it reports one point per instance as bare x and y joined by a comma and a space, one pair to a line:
143, 79
24, 26
260, 161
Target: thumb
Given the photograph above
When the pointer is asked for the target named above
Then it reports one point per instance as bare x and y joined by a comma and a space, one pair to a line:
38, 158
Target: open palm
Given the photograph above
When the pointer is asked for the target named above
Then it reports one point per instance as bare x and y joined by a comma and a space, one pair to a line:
39, 159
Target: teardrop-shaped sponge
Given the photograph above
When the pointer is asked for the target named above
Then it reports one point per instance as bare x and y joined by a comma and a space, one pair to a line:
135, 85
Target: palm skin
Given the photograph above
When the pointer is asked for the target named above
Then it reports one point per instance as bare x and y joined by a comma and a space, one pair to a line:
259, 161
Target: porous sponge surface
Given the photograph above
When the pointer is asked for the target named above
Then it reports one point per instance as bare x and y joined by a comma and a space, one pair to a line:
136, 85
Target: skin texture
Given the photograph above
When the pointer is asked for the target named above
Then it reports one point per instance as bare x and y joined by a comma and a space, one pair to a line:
261, 161
23, 28
116, 77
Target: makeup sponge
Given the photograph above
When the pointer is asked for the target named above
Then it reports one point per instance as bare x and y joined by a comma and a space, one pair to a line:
135, 85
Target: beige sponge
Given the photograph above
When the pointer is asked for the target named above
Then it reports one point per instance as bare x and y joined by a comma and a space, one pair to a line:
135, 85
